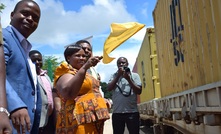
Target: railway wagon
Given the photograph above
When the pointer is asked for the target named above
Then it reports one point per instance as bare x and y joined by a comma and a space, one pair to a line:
180, 67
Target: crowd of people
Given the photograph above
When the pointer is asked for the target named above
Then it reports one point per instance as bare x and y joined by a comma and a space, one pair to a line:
71, 103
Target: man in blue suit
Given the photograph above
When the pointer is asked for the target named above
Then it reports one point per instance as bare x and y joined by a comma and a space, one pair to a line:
22, 89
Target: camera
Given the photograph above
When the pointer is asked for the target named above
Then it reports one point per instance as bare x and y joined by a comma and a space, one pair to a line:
127, 69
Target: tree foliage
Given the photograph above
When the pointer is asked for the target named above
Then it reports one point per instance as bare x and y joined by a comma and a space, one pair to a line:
2, 6
50, 63
107, 94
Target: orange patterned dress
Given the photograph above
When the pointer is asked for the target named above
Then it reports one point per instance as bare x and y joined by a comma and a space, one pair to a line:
84, 114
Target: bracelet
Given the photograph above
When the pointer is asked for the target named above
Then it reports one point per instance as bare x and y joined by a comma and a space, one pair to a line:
2, 109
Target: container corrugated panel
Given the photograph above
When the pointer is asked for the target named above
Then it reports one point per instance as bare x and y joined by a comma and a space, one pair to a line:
188, 43
147, 67
135, 70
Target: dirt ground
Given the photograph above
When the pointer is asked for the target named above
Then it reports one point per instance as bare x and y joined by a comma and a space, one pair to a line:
108, 128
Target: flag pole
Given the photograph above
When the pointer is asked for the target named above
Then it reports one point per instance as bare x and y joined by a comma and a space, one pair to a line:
87, 39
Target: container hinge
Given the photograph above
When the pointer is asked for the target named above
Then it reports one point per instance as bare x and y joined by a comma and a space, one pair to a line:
153, 55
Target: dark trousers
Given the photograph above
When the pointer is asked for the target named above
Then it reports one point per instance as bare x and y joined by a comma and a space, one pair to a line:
132, 120
50, 127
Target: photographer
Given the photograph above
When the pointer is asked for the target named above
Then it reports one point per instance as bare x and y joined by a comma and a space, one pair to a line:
125, 86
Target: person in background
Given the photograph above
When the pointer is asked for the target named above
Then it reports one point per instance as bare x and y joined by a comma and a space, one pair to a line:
99, 78
125, 86
46, 121
108, 101
23, 95
89, 53
5, 127
83, 109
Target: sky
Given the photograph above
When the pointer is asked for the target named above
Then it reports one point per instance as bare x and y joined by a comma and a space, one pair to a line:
64, 22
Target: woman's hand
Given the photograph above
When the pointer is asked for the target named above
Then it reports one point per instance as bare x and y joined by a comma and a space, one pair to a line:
108, 103
93, 61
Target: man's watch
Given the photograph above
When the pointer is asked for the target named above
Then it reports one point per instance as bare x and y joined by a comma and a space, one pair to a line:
2, 109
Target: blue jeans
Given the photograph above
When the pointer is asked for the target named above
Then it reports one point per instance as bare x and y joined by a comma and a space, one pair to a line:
132, 120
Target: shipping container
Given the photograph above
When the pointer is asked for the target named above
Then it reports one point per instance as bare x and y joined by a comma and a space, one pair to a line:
147, 67
188, 43
186, 74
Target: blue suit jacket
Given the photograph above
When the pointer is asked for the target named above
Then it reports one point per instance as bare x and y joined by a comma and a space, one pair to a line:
20, 87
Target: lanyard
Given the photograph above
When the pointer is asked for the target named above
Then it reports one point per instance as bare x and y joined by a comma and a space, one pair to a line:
124, 93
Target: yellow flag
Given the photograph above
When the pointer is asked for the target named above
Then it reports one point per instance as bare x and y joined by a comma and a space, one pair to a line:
120, 32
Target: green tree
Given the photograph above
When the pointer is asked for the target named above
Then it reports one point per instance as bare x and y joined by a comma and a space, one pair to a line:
50, 64
107, 94
2, 6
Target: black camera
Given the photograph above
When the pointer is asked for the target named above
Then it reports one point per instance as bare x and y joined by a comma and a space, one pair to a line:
127, 69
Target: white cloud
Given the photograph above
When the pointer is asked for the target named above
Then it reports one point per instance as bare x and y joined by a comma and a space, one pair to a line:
58, 28
144, 9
